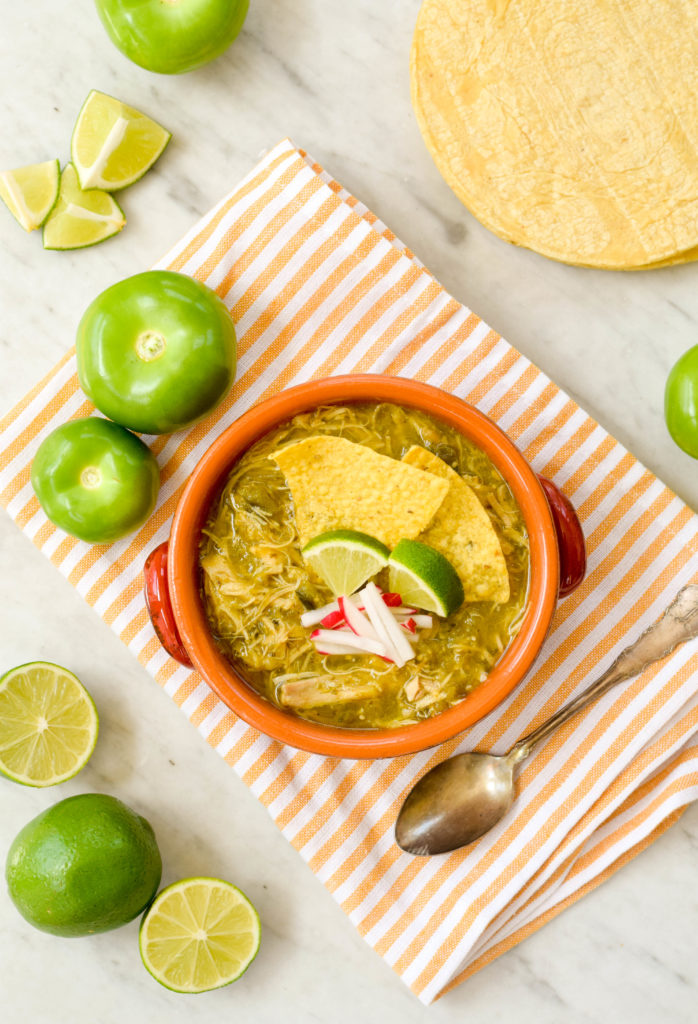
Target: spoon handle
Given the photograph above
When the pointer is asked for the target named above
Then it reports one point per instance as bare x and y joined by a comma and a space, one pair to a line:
678, 624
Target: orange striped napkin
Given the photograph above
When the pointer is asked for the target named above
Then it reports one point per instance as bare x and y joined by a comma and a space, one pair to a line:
317, 285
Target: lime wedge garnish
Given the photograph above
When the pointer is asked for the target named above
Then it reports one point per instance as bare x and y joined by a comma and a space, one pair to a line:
114, 145
81, 218
48, 724
345, 559
30, 193
425, 578
199, 934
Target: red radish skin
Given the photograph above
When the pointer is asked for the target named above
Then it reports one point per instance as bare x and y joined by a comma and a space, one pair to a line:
316, 615
356, 622
423, 621
334, 620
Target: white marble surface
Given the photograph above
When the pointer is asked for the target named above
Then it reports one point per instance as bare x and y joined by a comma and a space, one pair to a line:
334, 76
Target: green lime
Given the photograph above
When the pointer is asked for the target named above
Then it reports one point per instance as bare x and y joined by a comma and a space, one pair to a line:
81, 218
345, 559
85, 865
114, 145
48, 724
199, 934
30, 193
425, 578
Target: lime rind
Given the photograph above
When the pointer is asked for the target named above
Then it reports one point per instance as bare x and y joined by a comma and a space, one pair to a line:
129, 127
16, 187
351, 537
19, 708
52, 207
182, 886
433, 583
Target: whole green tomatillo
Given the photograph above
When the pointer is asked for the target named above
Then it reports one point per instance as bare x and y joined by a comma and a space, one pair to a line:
156, 352
95, 479
172, 36
681, 402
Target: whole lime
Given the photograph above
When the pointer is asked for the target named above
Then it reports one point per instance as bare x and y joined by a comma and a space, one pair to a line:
85, 865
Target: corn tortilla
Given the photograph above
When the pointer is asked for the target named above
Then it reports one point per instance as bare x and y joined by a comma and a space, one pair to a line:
338, 484
569, 128
461, 530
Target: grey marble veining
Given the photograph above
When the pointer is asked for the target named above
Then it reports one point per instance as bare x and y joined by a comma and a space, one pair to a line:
334, 77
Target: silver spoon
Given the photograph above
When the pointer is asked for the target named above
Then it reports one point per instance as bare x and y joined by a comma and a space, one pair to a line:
465, 796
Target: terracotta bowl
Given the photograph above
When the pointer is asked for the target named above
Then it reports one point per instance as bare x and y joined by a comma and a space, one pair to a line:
557, 561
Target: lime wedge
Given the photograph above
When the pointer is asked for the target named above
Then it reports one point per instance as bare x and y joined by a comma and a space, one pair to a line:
345, 559
48, 724
81, 218
425, 578
30, 193
114, 145
199, 934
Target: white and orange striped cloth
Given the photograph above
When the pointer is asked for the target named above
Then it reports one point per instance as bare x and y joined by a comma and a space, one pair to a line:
317, 286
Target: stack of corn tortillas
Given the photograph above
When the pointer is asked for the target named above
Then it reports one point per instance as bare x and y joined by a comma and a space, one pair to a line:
567, 126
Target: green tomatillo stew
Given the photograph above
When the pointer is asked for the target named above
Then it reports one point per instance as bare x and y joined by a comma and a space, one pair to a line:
347, 473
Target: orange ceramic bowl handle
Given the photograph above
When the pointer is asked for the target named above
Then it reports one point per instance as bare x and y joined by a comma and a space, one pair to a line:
157, 599
570, 537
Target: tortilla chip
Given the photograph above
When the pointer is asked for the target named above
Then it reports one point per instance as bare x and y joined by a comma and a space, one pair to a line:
461, 530
339, 485
568, 128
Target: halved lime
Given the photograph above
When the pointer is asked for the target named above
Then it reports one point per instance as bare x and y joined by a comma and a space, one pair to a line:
30, 193
81, 218
114, 145
48, 724
425, 578
345, 559
199, 934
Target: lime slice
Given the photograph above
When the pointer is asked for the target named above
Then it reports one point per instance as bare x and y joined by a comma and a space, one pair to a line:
48, 724
114, 145
30, 193
81, 218
425, 578
199, 934
345, 559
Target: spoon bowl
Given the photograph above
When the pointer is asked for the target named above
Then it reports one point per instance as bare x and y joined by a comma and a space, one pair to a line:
455, 803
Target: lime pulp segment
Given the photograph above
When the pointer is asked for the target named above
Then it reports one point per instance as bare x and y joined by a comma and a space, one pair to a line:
48, 724
30, 193
345, 559
113, 144
80, 219
199, 934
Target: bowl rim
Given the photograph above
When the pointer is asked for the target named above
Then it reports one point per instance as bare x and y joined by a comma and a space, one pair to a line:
204, 484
